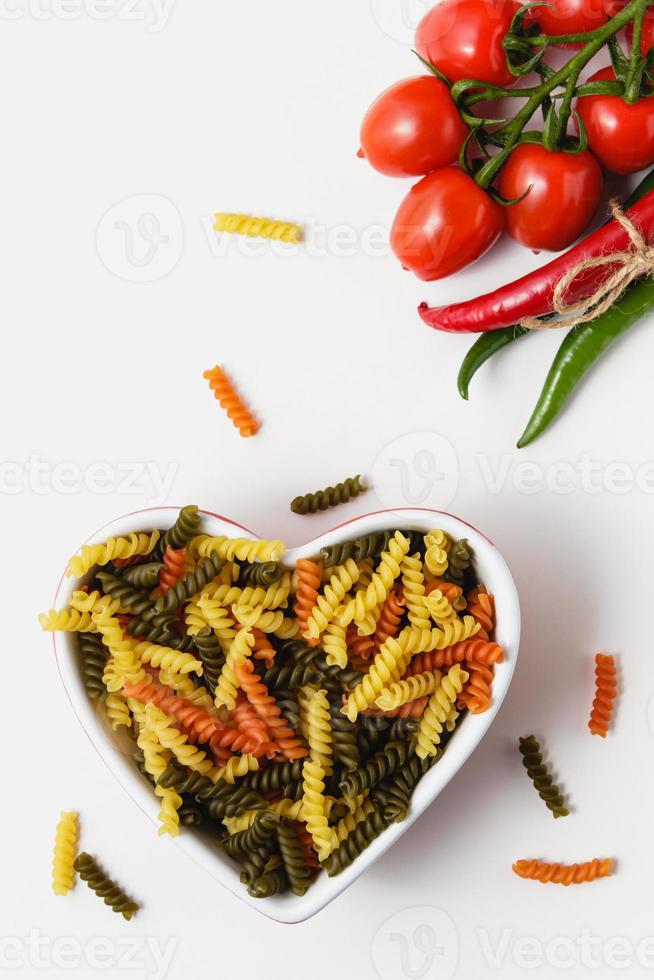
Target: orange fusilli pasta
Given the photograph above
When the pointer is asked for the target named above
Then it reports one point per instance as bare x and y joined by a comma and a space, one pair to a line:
224, 392
564, 874
606, 693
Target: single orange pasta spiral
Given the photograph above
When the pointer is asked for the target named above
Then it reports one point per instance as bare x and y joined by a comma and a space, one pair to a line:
264, 704
174, 563
194, 722
412, 709
263, 648
564, 874
481, 607
471, 651
224, 392
606, 693
390, 616
253, 727
476, 695
309, 580
359, 647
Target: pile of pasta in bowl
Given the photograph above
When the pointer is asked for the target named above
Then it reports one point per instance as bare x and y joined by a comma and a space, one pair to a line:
287, 711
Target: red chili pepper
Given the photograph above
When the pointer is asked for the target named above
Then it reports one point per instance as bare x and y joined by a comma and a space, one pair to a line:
532, 294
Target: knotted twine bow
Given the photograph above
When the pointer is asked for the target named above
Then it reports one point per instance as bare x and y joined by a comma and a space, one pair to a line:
630, 265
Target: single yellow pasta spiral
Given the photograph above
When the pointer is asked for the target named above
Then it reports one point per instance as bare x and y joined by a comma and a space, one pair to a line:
155, 760
243, 224
340, 583
193, 618
438, 711
319, 731
242, 549
67, 620
382, 580
240, 650
176, 661
65, 852
399, 693
449, 633
333, 643
214, 613
413, 587
388, 666
266, 620
124, 664
439, 608
162, 726
314, 809
288, 629
234, 768
102, 554
437, 545
290, 809
117, 711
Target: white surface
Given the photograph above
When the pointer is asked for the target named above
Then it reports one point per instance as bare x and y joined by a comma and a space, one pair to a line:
289, 908
256, 107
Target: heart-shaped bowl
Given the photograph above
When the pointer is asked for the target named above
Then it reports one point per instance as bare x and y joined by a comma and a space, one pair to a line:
117, 749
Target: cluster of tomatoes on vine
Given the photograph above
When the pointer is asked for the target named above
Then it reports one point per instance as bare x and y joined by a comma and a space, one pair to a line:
483, 176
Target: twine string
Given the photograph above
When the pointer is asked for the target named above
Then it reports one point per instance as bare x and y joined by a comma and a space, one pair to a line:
631, 264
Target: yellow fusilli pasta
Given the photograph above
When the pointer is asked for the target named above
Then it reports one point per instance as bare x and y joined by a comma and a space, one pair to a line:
240, 650
65, 852
243, 549
340, 583
410, 689
438, 712
102, 554
437, 545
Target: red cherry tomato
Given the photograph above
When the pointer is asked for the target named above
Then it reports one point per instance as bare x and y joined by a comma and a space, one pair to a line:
444, 223
647, 38
412, 128
565, 192
463, 39
620, 135
574, 16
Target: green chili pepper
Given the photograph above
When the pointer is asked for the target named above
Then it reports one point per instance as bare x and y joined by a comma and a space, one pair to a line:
490, 343
484, 347
579, 351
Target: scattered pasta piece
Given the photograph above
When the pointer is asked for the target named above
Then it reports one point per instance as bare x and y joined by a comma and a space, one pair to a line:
342, 493
65, 850
532, 760
89, 871
225, 394
606, 693
242, 224
564, 874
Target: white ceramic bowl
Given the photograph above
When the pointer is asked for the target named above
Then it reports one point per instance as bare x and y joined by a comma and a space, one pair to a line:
116, 752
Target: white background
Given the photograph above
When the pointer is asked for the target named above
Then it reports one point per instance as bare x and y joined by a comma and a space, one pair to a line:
255, 107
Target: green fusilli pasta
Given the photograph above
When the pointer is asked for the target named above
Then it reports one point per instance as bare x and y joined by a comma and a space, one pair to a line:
310, 503
90, 872
532, 760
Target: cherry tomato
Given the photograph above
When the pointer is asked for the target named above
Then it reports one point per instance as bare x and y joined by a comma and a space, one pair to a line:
565, 192
444, 223
574, 16
620, 135
647, 39
463, 39
412, 128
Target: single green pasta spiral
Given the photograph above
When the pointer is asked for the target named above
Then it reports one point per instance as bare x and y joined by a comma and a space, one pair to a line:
186, 526
224, 799
532, 760
189, 814
264, 574
297, 872
310, 503
347, 677
104, 887
459, 559
381, 765
204, 572
137, 602
344, 738
159, 629
271, 882
274, 778
144, 576
234, 803
256, 836
211, 654
402, 728
94, 659
356, 842
252, 863
394, 794
366, 546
